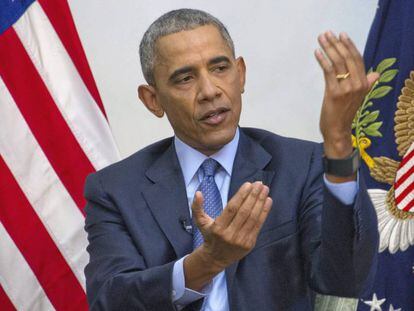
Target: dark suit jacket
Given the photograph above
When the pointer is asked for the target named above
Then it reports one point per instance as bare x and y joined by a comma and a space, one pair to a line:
310, 241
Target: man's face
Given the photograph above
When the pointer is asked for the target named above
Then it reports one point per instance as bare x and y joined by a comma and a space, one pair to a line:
198, 84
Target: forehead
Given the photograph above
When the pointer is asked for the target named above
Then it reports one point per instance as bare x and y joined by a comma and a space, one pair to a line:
191, 46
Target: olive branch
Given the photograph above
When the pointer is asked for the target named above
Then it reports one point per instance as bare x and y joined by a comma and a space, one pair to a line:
365, 122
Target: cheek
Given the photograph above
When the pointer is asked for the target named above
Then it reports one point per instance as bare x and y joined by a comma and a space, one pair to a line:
234, 94
180, 111
233, 79
237, 112
232, 85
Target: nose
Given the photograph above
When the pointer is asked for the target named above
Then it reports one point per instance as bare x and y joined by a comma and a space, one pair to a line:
208, 89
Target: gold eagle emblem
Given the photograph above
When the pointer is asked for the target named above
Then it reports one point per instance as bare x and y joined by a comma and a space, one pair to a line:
396, 225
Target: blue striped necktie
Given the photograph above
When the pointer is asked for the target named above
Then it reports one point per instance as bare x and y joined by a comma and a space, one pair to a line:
212, 198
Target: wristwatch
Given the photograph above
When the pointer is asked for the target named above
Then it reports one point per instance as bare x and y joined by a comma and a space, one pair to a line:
342, 167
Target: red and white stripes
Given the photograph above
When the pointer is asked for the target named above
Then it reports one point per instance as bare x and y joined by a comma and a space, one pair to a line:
53, 133
404, 182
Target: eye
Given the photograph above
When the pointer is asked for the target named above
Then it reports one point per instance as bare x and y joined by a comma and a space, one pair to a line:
184, 79
220, 68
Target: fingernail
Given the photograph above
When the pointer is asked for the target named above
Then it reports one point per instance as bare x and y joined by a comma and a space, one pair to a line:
322, 38
343, 36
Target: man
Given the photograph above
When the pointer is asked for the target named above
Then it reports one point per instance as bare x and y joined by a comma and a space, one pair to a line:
231, 250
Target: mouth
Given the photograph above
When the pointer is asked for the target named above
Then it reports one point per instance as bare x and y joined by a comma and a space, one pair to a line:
215, 117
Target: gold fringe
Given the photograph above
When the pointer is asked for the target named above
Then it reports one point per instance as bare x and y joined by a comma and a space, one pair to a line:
392, 207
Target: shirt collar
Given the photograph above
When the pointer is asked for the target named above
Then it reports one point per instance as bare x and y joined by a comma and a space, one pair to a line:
190, 159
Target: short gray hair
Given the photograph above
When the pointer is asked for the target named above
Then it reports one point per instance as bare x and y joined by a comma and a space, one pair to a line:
173, 22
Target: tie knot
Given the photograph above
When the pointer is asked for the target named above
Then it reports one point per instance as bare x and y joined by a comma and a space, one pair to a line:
209, 167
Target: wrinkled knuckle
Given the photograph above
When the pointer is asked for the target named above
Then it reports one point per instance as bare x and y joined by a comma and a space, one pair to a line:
340, 63
255, 218
242, 245
332, 89
262, 197
348, 90
255, 192
359, 86
248, 245
238, 242
252, 216
217, 231
336, 94
244, 213
228, 239
231, 208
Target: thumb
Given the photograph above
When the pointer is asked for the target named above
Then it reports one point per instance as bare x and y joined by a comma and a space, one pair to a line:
372, 78
200, 217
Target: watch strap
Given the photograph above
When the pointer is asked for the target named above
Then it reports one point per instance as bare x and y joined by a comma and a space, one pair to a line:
342, 167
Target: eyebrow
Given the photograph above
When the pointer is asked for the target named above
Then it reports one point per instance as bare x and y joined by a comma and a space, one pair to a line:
180, 71
187, 69
219, 59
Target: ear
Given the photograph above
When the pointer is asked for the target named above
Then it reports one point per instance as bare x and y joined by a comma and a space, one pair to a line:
146, 94
241, 68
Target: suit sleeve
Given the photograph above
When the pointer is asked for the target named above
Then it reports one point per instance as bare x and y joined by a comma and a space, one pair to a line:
117, 277
341, 251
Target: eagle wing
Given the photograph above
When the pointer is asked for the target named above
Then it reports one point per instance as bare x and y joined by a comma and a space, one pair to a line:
384, 170
404, 117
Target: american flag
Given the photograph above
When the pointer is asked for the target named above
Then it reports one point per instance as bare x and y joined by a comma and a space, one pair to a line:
53, 132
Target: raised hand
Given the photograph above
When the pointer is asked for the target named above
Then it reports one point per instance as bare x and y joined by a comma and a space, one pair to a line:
346, 84
229, 237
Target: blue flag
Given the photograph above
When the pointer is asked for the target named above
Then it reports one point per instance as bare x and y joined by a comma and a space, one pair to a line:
384, 132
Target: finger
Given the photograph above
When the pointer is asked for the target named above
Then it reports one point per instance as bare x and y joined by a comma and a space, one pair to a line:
247, 207
357, 73
328, 70
200, 217
352, 53
372, 78
233, 205
257, 210
251, 238
332, 54
353, 50
263, 216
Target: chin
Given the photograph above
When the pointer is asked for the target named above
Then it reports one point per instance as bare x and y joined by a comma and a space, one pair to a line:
215, 141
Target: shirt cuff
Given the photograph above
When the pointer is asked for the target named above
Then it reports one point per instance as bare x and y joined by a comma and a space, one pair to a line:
344, 192
182, 296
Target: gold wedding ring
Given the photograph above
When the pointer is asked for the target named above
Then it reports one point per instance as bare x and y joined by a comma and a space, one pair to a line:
343, 76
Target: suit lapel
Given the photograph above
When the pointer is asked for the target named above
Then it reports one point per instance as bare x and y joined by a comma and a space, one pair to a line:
249, 164
167, 200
